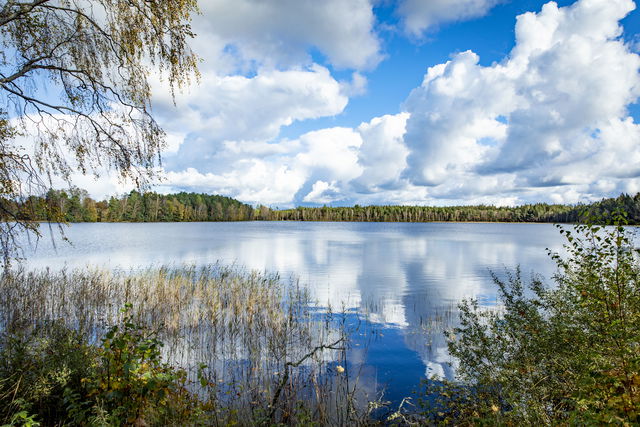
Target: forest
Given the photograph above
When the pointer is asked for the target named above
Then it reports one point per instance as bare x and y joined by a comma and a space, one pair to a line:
75, 205
601, 212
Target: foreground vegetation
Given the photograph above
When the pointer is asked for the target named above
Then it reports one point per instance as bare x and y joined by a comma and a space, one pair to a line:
562, 355
212, 346
75, 205
219, 346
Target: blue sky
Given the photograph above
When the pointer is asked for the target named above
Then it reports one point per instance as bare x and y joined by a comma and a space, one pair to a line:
434, 102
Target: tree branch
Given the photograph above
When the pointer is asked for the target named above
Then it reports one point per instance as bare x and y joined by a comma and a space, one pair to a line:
288, 365
23, 9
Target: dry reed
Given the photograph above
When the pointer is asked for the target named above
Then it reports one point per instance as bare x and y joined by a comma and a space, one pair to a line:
267, 352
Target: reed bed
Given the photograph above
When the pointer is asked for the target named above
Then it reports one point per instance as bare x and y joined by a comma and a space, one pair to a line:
253, 345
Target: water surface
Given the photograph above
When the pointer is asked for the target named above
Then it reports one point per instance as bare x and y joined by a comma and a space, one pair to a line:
404, 279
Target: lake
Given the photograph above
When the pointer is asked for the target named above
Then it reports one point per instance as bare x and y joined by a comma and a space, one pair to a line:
402, 279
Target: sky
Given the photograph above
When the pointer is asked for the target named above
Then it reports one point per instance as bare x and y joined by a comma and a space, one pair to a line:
439, 102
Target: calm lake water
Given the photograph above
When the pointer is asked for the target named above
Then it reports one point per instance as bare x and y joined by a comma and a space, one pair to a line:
403, 279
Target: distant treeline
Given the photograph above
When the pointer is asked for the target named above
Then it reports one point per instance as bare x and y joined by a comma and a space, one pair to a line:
528, 213
75, 205
602, 212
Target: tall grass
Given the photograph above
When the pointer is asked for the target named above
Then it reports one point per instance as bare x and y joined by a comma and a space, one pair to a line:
251, 343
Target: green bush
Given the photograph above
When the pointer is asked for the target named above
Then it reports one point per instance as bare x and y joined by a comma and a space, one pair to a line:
548, 355
37, 367
130, 384
52, 375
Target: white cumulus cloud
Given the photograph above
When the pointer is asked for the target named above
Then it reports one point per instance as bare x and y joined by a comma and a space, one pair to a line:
238, 109
280, 33
382, 154
552, 114
422, 15
312, 168
322, 192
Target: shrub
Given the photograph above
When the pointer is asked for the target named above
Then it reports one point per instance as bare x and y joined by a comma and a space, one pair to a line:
563, 354
37, 367
130, 384
57, 377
